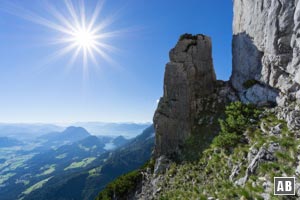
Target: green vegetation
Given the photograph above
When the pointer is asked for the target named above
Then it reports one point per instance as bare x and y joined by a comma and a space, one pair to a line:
194, 146
95, 171
238, 118
125, 184
249, 83
85, 162
61, 156
240, 131
207, 128
227, 140
121, 186
36, 186
5, 177
17, 162
47, 170
244, 127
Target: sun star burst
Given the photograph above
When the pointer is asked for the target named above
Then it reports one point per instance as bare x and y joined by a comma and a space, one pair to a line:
84, 38
81, 35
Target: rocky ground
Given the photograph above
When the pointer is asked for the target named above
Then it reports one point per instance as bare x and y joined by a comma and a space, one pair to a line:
267, 149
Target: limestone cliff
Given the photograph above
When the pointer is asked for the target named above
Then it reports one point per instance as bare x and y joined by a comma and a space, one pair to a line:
266, 50
192, 95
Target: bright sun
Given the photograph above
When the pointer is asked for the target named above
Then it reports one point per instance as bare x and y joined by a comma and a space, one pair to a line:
84, 39
80, 34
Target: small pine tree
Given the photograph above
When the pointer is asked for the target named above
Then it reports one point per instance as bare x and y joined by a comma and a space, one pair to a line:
238, 117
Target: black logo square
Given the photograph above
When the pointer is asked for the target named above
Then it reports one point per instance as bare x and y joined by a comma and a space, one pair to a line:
284, 185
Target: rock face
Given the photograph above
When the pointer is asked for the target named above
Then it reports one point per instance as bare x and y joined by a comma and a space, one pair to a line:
188, 76
192, 98
266, 50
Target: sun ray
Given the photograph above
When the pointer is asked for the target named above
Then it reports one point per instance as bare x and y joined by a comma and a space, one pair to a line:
61, 52
96, 13
82, 14
72, 12
56, 55
82, 34
102, 25
92, 56
104, 55
73, 58
31, 16
109, 34
85, 63
107, 46
59, 16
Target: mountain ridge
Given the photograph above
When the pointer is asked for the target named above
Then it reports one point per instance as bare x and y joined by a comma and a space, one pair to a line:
104, 169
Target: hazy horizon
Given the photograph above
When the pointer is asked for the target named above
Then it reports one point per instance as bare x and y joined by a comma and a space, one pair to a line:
70, 123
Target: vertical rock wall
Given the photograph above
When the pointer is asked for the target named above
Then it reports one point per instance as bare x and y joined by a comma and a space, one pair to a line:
188, 76
266, 50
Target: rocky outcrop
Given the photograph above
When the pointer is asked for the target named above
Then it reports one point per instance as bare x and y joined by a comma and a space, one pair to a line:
188, 76
266, 50
255, 157
291, 114
190, 88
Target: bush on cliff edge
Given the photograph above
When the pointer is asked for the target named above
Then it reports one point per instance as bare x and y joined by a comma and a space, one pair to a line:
238, 117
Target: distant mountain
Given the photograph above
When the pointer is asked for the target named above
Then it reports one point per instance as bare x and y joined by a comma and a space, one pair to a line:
113, 129
119, 141
116, 142
26, 131
9, 142
105, 139
70, 134
56, 139
31, 131
91, 141
87, 183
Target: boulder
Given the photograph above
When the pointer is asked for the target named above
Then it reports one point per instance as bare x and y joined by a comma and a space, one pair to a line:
161, 164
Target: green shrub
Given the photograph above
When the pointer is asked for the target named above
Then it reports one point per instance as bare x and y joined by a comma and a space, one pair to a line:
122, 186
284, 156
287, 142
238, 118
269, 166
226, 140
150, 164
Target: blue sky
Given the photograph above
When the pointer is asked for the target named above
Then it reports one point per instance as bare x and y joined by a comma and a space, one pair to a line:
34, 90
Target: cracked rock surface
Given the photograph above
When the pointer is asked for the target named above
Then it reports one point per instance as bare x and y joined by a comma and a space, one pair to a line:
188, 76
266, 48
